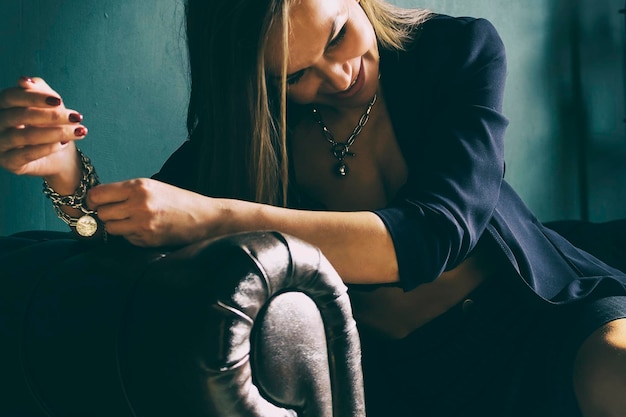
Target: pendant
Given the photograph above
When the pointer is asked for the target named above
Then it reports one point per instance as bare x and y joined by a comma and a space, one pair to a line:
341, 169
341, 150
86, 226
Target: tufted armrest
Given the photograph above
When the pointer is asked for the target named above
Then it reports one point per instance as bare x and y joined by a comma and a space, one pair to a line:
256, 324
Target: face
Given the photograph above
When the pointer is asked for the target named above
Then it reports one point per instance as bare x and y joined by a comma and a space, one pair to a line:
332, 56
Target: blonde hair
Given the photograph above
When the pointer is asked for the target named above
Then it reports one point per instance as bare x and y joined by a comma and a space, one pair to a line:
272, 166
394, 26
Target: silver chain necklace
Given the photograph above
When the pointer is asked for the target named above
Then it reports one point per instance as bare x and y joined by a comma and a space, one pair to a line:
342, 149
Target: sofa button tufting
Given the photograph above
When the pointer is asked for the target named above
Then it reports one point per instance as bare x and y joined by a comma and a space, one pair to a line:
467, 306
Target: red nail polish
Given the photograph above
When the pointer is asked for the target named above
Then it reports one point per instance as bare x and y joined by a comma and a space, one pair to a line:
65, 142
27, 79
53, 101
75, 118
80, 131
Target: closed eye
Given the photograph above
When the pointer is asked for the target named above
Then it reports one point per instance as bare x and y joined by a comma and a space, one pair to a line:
295, 77
337, 39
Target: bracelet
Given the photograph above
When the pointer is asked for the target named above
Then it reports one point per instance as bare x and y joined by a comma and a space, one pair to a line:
87, 225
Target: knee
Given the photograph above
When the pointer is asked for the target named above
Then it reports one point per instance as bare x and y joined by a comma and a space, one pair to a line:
600, 372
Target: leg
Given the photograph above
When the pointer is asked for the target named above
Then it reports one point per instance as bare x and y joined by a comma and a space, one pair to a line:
600, 371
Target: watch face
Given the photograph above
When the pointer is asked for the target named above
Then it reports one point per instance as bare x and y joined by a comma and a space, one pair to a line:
86, 226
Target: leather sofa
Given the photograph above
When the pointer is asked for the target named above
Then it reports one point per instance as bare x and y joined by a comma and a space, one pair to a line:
257, 324
115, 330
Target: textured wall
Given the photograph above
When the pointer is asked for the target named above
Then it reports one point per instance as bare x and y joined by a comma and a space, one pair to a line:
121, 63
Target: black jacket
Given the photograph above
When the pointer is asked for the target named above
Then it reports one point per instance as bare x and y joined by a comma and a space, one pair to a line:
444, 95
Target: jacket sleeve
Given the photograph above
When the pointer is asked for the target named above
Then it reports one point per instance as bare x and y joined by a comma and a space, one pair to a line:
453, 148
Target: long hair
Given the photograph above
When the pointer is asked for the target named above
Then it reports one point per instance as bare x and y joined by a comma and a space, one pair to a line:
230, 120
237, 118
394, 26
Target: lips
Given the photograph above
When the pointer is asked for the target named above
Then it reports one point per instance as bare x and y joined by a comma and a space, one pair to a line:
356, 85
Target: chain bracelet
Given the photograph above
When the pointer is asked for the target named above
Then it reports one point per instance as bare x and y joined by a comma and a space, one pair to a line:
87, 225
77, 199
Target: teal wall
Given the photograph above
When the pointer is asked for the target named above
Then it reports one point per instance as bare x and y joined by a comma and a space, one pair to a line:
122, 64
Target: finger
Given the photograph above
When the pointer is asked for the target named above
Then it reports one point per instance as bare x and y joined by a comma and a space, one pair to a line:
20, 161
12, 139
36, 116
25, 82
30, 92
19, 97
107, 194
139, 189
38, 84
122, 227
113, 212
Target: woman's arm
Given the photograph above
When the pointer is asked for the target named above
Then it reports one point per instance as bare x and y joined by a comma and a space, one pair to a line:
445, 99
151, 213
357, 244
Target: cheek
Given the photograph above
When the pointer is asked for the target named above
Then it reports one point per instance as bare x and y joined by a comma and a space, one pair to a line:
302, 93
366, 37
362, 26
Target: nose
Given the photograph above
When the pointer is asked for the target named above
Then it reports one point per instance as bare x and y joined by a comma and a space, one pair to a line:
337, 75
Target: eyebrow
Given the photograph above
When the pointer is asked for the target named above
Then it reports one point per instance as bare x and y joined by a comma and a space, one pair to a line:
331, 35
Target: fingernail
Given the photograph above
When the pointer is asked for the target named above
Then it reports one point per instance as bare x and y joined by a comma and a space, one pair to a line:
80, 131
75, 118
65, 142
27, 79
53, 101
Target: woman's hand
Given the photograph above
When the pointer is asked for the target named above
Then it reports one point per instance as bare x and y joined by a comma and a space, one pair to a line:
150, 213
37, 132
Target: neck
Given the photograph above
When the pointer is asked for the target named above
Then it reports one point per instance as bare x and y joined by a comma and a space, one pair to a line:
341, 113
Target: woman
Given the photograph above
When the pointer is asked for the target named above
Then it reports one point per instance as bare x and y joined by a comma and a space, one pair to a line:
374, 133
